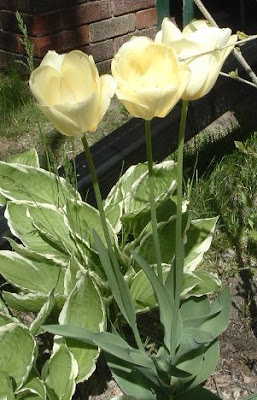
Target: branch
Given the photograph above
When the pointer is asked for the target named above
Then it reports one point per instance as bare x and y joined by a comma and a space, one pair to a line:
237, 54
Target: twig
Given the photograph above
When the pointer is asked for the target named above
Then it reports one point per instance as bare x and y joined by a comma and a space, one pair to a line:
237, 78
219, 48
237, 54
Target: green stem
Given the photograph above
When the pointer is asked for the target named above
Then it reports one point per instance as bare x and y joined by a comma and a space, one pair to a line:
179, 258
152, 197
99, 203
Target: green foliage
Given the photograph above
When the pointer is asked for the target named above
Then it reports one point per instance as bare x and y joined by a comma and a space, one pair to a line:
61, 271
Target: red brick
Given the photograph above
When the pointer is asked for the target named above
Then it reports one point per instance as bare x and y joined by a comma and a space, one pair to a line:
126, 6
146, 18
100, 51
47, 24
62, 41
70, 18
112, 27
38, 6
104, 67
10, 42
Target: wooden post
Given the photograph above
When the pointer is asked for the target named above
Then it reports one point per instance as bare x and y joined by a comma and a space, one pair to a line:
163, 10
188, 11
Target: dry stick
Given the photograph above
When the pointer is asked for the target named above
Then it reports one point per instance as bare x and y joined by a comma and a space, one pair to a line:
238, 55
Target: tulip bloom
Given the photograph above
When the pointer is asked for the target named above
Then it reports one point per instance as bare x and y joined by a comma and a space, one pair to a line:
149, 78
196, 38
70, 92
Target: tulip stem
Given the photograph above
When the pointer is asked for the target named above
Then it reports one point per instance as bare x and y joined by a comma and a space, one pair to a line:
99, 202
179, 257
152, 198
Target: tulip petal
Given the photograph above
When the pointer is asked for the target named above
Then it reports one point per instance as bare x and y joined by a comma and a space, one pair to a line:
53, 59
83, 114
170, 31
79, 75
107, 90
44, 83
61, 122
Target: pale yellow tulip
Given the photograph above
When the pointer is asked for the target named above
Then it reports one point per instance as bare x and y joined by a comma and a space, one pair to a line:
150, 80
197, 38
70, 92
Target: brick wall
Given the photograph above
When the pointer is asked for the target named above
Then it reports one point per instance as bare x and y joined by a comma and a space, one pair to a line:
98, 27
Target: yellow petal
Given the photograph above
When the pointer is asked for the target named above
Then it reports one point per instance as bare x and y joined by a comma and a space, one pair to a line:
107, 90
77, 72
53, 59
170, 31
83, 114
61, 122
44, 83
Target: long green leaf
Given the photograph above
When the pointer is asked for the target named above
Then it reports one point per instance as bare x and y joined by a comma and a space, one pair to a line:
117, 283
165, 299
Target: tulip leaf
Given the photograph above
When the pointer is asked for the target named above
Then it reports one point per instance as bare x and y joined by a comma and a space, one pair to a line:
117, 283
84, 308
199, 237
129, 379
6, 388
59, 374
209, 362
108, 342
27, 183
49, 240
17, 352
163, 295
36, 276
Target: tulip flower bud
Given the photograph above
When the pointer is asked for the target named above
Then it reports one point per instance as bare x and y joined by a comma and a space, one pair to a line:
149, 78
70, 92
198, 38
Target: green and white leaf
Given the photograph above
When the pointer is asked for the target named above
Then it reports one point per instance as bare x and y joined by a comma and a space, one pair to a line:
27, 183
29, 157
59, 374
45, 238
164, 185
38, 277
25, 301
17, 355
33, 389
82, 220
35, 327
6, 387
114, 204
200, 283
84, 307
199, 237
